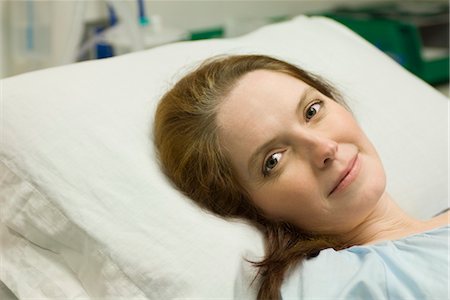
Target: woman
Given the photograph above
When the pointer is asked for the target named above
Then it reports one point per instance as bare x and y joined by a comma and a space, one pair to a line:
254, 137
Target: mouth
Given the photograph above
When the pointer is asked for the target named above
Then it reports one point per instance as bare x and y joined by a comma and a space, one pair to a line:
347, 176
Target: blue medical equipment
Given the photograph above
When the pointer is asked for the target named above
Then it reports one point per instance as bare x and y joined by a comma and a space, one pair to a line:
143, 19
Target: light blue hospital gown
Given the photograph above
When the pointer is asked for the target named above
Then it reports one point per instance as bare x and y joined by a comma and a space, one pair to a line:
414, 267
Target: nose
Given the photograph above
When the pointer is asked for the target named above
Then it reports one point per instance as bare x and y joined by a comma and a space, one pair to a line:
322, 150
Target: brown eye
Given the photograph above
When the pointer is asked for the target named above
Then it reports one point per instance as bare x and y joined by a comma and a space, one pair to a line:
312, 110
271, 163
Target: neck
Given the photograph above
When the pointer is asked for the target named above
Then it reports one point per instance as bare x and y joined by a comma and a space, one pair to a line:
386, 222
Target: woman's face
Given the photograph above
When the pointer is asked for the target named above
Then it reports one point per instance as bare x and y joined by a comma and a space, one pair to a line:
301, 156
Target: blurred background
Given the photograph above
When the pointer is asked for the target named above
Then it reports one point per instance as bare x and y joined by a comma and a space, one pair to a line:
38, 34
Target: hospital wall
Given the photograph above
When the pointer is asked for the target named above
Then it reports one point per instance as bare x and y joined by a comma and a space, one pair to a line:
64, 22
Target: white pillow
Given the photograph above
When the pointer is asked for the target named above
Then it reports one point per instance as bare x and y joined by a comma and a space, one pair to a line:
78, 175
27, 266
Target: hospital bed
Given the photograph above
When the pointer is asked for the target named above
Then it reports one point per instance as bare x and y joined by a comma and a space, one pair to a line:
86, 212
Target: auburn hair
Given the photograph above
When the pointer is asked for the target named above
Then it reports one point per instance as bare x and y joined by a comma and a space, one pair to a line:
190, 154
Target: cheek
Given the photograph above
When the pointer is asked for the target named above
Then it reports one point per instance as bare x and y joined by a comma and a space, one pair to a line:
287, 197
268, 199
376, 180
364, 195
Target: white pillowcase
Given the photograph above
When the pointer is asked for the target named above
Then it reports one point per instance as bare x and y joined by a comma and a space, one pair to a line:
78, 175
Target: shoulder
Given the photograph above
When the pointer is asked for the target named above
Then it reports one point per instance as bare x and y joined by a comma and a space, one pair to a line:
331, 272
379, 269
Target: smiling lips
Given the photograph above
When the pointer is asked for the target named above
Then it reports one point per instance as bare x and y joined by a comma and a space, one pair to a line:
348, 175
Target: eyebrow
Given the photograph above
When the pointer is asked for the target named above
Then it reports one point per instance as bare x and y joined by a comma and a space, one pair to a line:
254, 158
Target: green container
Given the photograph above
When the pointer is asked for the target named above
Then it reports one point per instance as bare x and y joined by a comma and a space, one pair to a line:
211, 33
398, 35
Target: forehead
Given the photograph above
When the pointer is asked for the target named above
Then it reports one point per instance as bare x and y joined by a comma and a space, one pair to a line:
260, 89
258, 95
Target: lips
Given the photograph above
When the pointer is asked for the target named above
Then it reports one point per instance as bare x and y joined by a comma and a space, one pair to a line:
347, 176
